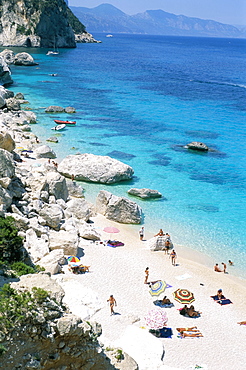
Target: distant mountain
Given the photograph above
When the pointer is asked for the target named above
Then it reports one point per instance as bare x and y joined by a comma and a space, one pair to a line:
107, 18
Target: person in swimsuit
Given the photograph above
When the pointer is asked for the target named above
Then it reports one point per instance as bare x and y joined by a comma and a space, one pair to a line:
173, 256
184, 335
160, 233
112, 303
216, 268
146, 275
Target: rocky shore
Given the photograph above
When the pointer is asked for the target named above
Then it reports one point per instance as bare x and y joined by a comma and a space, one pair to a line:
52, 217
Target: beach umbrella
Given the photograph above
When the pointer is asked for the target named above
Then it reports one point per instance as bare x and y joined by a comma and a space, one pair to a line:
156, 318
157, 288
183, 296
111, 230
73, 259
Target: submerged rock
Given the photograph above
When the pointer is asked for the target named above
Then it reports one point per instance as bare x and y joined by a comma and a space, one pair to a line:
196, 145
54, 109
145, 193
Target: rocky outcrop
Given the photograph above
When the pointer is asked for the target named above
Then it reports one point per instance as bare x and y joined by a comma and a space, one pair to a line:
195, 145
119, 209
7, 166
35, 24
65, 240
24, 59
89, 232
85, 38
6, 141
95, 168
54, 109
5, 74
145, 193
44, 151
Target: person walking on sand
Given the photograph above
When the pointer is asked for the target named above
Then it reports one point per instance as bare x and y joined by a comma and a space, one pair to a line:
112, 303
173, 256
146, 275
216, 268
141, 233
224, 267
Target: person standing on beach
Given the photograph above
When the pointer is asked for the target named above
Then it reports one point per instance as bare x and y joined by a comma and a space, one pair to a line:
112, 303
224, 267
141, 233
173, 256
146, 275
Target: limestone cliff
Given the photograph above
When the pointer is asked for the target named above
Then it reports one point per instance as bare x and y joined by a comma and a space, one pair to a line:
37, 23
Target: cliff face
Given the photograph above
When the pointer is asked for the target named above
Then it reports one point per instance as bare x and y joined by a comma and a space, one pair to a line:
35, 23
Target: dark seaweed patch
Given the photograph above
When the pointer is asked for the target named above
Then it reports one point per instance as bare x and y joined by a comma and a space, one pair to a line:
160, 162
202, 134
212, 179
203, 207
98, 144
121, 155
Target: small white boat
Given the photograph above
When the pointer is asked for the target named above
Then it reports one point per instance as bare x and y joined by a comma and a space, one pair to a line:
59, 127
109, 35
50, 52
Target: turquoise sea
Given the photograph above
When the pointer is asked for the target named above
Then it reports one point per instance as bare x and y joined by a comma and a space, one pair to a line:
139, 99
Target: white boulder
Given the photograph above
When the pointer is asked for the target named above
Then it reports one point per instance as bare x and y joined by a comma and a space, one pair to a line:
53, 214
95, 168
36, 247
7, 165
24, 59
87, 231
44, 151
52, 262
145, 193
67, 241
79, 208
119, 209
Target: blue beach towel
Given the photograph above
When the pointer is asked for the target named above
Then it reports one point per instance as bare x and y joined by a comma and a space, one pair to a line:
222, 302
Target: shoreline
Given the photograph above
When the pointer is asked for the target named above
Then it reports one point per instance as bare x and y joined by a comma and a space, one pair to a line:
185, 251
120, 271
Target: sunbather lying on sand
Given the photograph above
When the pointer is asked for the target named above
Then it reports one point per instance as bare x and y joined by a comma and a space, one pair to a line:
191, 312
184, 335
242, 322
165, 300
194, 328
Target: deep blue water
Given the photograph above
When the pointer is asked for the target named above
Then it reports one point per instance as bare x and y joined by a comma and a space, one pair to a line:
139, 99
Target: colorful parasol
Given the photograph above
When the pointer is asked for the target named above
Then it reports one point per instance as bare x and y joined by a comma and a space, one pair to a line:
157, 288
156, 318
73, 259
183, 296
111, 230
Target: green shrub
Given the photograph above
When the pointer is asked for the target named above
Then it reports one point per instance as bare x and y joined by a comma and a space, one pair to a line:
10, 242
20, 268
17, 308
2, 350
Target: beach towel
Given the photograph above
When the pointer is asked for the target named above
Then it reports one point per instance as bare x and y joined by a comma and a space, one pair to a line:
166, 333
114, 244
222, 302
158, 303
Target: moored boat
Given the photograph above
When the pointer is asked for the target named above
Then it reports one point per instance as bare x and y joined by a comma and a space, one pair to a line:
60, 122
59, 127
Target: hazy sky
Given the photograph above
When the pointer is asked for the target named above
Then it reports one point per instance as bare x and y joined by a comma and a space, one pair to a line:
225, 11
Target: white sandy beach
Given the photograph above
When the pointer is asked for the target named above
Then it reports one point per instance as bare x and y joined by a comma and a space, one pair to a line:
120, 271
